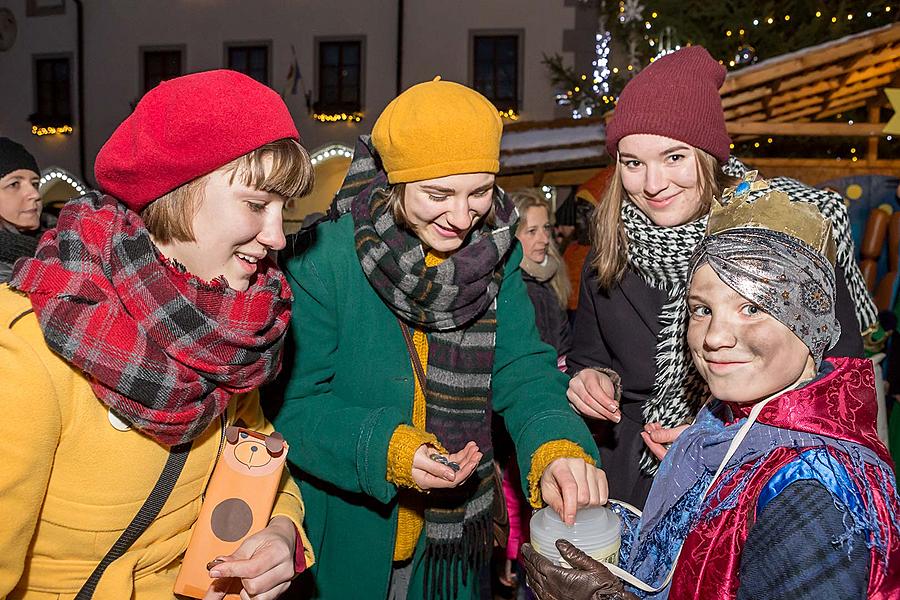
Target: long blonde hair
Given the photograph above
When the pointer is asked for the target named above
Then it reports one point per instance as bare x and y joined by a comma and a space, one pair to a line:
608, 231
533, 198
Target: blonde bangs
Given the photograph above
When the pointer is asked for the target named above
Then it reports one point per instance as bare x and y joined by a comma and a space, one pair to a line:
291, 174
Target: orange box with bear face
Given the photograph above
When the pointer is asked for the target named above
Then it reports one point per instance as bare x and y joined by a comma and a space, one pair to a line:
238, 503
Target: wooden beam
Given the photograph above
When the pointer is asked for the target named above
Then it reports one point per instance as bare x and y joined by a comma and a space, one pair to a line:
887, 68
825, 73
814, 171
873, 77
839, 109
744, 97
850, 90
888, 53
812, 58
887, 165
810, 90
798, 115
874, 117
810, 129
798, 105
745, 109
841, 102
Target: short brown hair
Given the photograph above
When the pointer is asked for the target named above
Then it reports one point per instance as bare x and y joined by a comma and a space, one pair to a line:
170, 216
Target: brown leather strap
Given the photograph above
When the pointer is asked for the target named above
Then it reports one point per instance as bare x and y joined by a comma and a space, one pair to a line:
413, 355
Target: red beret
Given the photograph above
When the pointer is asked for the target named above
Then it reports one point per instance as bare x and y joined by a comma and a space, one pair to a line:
185, 128
676, 96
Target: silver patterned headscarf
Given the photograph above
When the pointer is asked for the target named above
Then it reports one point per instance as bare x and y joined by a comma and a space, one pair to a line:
782, 275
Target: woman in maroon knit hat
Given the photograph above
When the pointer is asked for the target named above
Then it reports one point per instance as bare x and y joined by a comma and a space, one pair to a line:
629, 362
138, 332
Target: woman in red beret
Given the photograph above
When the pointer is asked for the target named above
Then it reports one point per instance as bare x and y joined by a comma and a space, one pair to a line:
629, 359
138, 332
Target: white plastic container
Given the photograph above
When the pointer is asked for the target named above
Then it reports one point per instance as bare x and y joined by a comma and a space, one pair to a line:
597, 532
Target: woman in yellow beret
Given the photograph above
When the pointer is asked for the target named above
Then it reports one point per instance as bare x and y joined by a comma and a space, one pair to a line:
412, 324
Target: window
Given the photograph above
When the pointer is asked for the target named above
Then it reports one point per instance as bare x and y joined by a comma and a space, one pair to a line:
496, 69
249, 60
160, 65
53, 92
340, 67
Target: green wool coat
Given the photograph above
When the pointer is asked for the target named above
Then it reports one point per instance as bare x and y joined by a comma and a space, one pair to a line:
352, 384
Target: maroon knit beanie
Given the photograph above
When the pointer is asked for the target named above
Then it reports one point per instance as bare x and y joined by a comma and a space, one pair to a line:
185, 128
676, 96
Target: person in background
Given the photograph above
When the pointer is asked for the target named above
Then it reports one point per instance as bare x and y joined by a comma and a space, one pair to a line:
781, 488
586, 198
412, 325
20, 205
139, 332
629, 361
545, 275
547, 283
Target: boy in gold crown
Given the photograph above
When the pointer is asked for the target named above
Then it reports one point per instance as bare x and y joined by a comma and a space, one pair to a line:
781, 487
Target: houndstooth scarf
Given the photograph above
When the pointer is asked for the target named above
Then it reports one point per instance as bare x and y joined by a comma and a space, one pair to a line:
161, 348
661, 256
455, 303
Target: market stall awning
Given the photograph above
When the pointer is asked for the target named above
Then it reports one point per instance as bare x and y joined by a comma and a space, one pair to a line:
803, 92
560, 152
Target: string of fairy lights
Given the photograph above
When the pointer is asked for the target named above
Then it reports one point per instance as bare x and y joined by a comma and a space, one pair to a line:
55, 173
665, 42
41, 131
760, 21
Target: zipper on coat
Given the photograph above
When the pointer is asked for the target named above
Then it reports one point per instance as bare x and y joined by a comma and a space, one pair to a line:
224, 419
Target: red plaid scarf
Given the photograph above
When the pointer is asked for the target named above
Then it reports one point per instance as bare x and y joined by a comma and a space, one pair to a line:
161, 348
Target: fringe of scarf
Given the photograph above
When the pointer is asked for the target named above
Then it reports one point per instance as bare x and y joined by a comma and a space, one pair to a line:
163, 349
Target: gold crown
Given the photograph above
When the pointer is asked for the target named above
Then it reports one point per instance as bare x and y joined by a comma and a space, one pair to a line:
774, 211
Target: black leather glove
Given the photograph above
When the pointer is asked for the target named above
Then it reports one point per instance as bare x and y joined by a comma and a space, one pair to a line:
588, 579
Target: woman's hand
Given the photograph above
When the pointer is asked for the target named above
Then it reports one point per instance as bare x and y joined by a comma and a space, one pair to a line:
431, 474
659, 438
593, 394
264, 562
568, 484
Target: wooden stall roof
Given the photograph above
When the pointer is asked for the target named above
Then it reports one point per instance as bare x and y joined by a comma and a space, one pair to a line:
802, 92
558, 152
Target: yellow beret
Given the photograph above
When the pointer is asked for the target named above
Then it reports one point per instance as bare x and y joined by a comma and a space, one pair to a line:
435, 129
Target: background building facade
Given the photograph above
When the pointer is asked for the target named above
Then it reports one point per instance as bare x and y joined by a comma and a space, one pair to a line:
337, 63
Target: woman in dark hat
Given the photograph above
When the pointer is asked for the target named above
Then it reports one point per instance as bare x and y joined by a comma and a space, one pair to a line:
20, 205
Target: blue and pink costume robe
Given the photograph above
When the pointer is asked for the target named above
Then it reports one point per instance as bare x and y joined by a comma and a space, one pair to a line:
824, 432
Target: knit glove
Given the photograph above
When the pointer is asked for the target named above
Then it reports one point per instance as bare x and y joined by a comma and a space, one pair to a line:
588, 579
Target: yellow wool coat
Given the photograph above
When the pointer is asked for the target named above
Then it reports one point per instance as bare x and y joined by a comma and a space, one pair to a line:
71, 482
